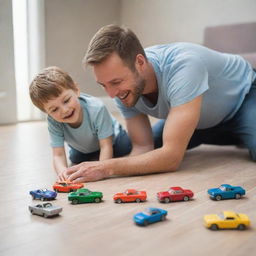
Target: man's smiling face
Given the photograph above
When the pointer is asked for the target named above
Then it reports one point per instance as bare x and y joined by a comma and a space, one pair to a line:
119, 80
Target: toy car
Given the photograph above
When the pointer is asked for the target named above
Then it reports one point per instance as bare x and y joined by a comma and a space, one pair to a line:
175, 194
150, 215
43, 194
226, 191
45, 210
85, 196
130, 195
66, 186
227, 220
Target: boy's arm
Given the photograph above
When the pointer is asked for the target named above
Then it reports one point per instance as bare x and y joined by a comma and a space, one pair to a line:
106, 148
60, 162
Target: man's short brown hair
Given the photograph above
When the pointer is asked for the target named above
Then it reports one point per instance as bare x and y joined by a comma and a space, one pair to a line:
49, 84
112, 38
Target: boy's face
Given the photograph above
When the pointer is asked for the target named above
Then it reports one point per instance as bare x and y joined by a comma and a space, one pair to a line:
65, 108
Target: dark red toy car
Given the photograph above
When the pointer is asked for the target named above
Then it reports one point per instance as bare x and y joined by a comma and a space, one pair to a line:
175, 194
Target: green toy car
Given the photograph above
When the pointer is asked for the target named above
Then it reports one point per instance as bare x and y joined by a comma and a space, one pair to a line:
85, 196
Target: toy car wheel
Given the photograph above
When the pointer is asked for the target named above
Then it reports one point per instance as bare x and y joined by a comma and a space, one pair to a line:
241, 227
74, 201
218, 197
45, 215
186, 198
145, 223
163, 217
214, 227
42, 198
137, 200
237, 196
119, 201
56, 190
167, 200
32, 212
33, 197
97, 200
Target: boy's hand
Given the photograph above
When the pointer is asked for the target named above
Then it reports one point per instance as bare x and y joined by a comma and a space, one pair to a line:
62, 176
87, 171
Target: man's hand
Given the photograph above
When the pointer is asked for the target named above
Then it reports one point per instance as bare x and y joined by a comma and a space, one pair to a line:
87, 171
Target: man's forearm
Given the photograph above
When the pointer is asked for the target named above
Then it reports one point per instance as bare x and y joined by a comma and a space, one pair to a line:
138, 150
154, 161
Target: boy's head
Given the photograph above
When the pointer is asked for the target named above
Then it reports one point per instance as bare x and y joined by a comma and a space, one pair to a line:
49, 84
114, 39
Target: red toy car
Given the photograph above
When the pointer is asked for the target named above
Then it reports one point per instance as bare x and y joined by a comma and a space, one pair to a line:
175, 194
66, 186
130, 195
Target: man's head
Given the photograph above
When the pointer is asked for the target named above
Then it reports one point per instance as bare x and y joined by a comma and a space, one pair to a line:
54, 92
114, 39
119, 63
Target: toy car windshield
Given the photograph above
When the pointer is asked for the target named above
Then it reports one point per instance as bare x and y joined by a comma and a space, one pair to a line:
221, 216
47, 205
222, 188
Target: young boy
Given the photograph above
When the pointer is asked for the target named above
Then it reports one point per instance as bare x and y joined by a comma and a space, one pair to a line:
77, 118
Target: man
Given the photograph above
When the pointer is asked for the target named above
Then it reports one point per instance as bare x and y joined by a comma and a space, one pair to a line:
203, 96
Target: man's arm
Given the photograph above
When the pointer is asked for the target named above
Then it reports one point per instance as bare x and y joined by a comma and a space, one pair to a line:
140, 133
179, 127
106, 148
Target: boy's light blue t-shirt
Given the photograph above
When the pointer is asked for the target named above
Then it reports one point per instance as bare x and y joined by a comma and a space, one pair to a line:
185, 71
97, 124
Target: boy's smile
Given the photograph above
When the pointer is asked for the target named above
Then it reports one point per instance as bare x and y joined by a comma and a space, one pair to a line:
65, 108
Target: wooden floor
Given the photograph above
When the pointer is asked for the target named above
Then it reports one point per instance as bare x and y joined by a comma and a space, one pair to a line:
107, 228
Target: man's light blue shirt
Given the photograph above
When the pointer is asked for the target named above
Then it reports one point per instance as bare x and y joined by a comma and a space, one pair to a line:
97, 124
185, 71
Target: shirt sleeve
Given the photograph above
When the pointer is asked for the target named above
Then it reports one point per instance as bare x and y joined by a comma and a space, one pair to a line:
103, 123
56, 133
187, 79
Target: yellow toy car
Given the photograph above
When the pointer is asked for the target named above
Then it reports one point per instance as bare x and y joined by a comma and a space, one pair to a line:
227, 220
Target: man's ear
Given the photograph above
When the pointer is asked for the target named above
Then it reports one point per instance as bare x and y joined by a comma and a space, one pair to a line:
140, 62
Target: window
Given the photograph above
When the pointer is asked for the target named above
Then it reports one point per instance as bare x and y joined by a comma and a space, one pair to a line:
28, 29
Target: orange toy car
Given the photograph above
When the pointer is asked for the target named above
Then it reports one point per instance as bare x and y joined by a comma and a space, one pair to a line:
66, 186
130, 195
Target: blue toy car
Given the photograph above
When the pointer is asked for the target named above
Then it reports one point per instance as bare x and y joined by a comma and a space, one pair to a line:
150, 215
226, 191
43, 194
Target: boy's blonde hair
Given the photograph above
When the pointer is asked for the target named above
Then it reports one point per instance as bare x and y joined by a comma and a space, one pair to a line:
49, 84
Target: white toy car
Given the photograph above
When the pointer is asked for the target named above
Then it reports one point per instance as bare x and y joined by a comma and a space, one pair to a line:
45, 210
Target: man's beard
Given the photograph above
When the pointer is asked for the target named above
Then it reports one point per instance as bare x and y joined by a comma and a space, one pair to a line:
139, 85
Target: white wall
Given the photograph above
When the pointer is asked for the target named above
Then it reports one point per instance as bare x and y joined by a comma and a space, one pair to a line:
7, 82
70, 26
165, 21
